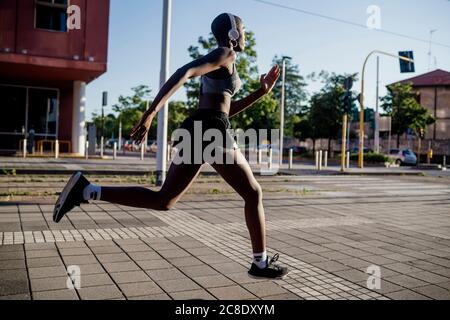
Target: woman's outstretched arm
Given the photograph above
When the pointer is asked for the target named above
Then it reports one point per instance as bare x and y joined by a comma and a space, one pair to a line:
213, 61
267, 83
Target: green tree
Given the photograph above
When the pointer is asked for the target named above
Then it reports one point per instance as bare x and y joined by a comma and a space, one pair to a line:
131, 108
111, 125
263, 113
402, 105
325, 110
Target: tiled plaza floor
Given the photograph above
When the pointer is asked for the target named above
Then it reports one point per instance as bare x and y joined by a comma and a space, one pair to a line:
200, 250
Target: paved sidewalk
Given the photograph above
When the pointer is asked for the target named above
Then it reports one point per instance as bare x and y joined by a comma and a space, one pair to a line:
201, 250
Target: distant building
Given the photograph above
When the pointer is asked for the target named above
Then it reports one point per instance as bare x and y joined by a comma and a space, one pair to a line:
44, 69
434, 94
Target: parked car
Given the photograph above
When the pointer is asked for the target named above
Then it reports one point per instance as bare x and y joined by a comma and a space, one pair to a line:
403, 156
296, 149
110, 143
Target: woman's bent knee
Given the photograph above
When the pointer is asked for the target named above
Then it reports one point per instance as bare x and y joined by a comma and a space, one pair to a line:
254, 195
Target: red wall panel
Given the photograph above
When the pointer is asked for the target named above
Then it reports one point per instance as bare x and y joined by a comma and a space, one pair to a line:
7, 24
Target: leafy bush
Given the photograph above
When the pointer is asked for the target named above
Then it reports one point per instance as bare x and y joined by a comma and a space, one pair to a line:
372, 158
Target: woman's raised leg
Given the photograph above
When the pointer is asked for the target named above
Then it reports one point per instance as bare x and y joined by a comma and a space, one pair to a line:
179, 178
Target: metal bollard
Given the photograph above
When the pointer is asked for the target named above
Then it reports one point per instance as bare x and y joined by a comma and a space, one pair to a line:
259, 155
115, 151
102, 145
56, 149
320, 160
317, 160
445, 162
142, 151
270, 158
291, 159
24, 148
325, 165
86, 150
348, 160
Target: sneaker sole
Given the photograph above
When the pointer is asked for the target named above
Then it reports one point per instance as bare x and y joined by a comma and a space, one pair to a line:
259, 278
63, 196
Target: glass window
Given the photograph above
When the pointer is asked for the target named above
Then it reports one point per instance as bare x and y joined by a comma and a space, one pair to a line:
51, 15
13, 108
42, 111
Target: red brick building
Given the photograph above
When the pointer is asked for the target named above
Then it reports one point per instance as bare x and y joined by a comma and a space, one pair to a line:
45, 67
434, 94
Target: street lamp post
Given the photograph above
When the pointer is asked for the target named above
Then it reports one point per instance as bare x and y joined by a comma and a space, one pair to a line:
361, 122
161, 158
283, 101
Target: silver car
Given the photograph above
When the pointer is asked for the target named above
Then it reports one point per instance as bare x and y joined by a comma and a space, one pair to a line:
403, 156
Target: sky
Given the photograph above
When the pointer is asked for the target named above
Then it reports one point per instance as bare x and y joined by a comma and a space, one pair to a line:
314, 43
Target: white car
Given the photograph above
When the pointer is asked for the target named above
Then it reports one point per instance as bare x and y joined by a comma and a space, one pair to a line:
403, 156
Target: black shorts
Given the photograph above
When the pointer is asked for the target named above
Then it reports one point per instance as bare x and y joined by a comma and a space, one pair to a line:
197, 125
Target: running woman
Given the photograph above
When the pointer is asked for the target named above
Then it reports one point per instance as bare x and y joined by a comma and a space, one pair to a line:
219, 83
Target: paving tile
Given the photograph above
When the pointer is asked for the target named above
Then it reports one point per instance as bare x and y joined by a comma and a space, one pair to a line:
100, 293
16, 297
154, 297
154, 264
143, 256
46, 272
49, 284
113, 257
42, 253
406, 295
65, 294
185, 261
45, 262
130, 277
197, 271
120, 266
75, 251
165, 274
138, 289
231, 293
214, 281
264, 289
178, 285
229, 267
429, 277
95, 280
406, 281
434, 292
79, 260
192, 295
105, 250
12, 255
12, 264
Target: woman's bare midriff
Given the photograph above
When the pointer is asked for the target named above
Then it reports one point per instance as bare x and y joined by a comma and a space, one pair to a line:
217, 102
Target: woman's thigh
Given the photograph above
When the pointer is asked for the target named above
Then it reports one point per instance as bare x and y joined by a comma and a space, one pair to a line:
239, 175
178, 180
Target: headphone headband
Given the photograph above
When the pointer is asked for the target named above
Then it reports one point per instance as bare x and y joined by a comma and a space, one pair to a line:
233, 34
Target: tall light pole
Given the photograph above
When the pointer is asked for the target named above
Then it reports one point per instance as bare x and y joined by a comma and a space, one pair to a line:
377, 110
161, 158
429, 51
361, 122
283, 100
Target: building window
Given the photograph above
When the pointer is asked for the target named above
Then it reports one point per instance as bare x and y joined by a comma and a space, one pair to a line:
51, 15
28, 109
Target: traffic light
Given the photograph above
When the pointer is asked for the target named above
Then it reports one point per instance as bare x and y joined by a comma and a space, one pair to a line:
346, 100
407, 66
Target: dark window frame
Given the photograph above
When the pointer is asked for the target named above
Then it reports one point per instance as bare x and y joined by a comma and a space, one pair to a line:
50, 5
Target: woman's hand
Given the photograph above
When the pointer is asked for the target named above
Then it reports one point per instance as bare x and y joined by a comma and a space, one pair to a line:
268, 80
140, 131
